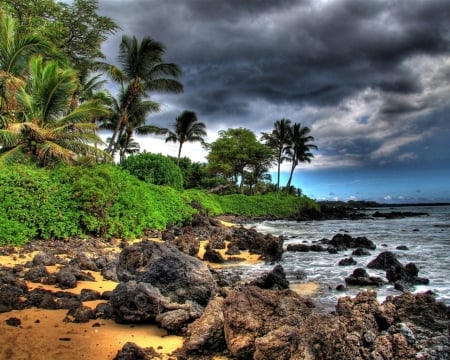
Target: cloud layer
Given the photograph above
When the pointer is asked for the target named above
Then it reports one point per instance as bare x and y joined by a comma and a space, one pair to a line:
370, 78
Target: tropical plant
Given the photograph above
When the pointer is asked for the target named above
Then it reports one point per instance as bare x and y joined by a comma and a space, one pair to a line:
186, 129
300, 148
15, 53
141, 70
278, 140
45, 130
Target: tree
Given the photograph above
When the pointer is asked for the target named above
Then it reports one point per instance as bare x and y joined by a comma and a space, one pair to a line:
76, 29
278, 140
300, 149
15, 53
234, 152
141, 70
186, 129
45, 130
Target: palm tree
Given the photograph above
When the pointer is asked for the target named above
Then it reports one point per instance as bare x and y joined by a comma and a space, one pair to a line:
187, 129
141, 70
300, 148
45, 129
15, 52
278, 140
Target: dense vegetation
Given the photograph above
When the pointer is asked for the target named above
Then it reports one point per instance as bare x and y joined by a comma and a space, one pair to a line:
105, 200
58, 178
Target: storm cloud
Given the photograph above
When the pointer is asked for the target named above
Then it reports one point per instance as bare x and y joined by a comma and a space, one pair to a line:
370, 78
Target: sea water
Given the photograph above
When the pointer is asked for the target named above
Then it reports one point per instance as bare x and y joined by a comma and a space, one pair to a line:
426, 237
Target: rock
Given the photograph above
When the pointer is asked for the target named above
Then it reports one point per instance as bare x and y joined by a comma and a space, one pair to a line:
176, 275
173, 320
206, 335
81, 314
360, 277
347, 262
45, 258
130, 351
187, 242
399, 214
84, 262
213, 256
384, 261
275, 279
251, 312
89, 295
37, 274
347, 241
66, 279
13, 321
281, 343
11, 297
402, 247
360, 252
298, 247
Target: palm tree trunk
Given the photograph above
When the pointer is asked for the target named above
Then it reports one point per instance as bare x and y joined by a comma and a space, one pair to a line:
288, 184
278, 175
179, 153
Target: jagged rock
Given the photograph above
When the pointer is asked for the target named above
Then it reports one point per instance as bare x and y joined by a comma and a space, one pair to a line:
173, 320
342, 241
66, 279
281, 343
251, 312
298, 247
360, 252
84, 262
213, 256
176, 275
89, 295
130, 351
205, 335
81, 314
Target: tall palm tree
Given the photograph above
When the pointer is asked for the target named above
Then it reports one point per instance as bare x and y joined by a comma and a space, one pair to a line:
186, 129
141, 70
278, 140
300, 149
45, 129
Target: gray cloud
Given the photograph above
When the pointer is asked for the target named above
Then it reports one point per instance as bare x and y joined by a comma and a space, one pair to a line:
369, 77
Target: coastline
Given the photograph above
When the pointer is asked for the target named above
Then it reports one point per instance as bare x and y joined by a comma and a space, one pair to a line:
53, 333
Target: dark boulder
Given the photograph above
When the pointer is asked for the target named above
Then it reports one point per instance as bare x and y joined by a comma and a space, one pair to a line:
131, 351
81, 314
342, 241
275, 280
298, 247
384, 261
360, 277
213, 256
347, 262
44, 258
174, 273
360, 252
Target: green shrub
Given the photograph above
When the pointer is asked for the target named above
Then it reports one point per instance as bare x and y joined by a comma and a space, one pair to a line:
33, 205
155, 169
209, 202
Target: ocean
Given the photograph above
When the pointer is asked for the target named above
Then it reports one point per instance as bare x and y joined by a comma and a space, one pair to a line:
426, 237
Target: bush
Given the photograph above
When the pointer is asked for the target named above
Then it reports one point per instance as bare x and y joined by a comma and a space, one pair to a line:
209, 202
113, 203
33, 205
155, 169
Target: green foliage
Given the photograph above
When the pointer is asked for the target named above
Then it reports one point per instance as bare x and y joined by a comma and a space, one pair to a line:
277, 205
209, 202
32, 205
155, 169
113, 203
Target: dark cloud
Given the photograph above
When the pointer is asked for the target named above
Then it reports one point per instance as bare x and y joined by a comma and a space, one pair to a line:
369, 77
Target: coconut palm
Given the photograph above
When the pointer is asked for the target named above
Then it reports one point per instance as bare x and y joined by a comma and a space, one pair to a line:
141, 70
15, 52
300, 148
278, 140
186, 129
45, 129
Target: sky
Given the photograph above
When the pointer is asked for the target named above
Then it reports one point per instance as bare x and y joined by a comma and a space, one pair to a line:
371, 79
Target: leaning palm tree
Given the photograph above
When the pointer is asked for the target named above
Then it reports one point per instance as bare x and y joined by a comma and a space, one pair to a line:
141, 70
186, 129
300, 149
278, 140
45, 130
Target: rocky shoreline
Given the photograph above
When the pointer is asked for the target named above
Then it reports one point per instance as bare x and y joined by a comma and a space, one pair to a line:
168, 279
